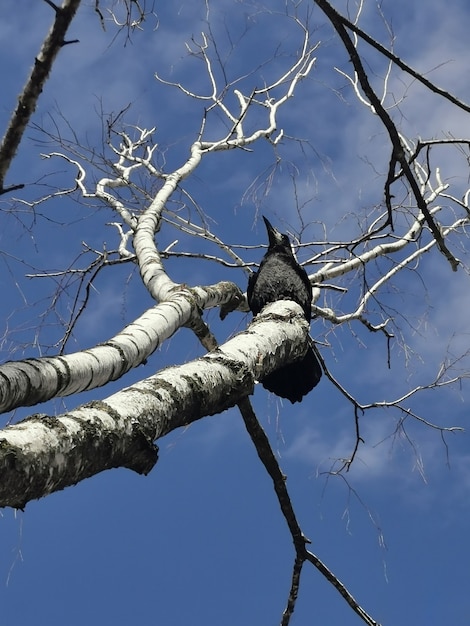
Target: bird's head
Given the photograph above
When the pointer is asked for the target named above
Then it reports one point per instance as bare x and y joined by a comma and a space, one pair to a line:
277, 239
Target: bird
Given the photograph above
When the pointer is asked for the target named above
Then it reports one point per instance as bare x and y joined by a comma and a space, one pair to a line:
280, 277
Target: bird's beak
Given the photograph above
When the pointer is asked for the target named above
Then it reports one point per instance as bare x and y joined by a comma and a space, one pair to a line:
273, 234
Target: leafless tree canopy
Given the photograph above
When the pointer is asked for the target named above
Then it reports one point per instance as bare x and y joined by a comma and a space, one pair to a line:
413, 218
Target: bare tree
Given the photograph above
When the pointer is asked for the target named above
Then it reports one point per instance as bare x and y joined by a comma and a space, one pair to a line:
132, 178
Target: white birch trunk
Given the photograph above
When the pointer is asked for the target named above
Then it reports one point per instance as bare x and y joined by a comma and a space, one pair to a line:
31, 381
43, 454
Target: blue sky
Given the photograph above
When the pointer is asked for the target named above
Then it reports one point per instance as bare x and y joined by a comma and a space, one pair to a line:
201, 540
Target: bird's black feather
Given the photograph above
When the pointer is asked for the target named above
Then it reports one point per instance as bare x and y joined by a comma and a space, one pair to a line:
280, 277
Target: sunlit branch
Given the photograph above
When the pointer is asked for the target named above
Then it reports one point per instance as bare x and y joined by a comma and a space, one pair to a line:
398, 153
135, 14
197, 231
152, 271
333, 269
125, 237
50, 377
100, 190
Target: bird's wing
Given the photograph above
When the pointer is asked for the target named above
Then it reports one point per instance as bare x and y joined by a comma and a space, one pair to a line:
251, 285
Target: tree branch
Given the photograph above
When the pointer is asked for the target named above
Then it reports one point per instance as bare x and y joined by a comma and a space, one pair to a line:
27, 100
398, 152
31, 381
267, 457
401, 64
98, 435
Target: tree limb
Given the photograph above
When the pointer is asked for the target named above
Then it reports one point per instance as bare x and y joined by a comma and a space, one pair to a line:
398, 152
27, 100
31, 381
44, 454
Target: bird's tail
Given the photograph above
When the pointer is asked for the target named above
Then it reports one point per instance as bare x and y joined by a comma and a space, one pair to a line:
295, 380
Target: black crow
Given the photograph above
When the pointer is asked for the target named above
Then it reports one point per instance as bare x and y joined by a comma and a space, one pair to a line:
280, 277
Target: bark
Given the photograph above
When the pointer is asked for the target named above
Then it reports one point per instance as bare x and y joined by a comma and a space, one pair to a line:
40, 71
31, 381
43, 454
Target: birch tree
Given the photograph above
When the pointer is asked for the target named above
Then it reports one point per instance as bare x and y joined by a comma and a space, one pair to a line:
141, 198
